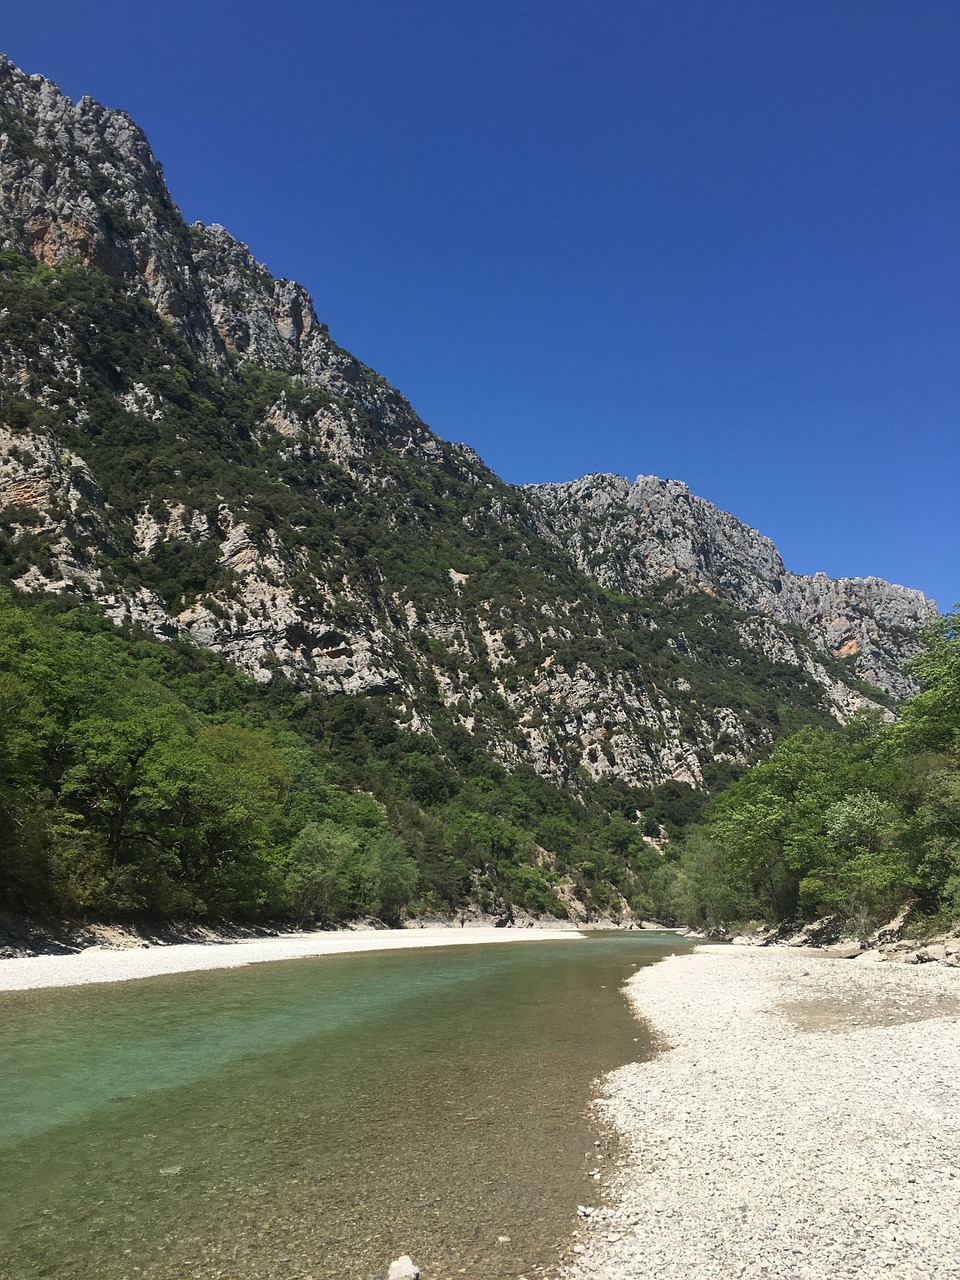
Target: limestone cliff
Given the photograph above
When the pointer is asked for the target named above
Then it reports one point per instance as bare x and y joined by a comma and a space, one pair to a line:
628, 536
79, 181
182, 442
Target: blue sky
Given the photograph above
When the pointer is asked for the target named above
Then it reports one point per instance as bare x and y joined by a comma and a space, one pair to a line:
713, 240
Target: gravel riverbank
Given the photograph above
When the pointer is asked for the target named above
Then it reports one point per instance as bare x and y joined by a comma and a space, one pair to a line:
803, 1121
110, 964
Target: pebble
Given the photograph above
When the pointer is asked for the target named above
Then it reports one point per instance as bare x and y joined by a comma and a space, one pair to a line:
805, 1122
403, 1268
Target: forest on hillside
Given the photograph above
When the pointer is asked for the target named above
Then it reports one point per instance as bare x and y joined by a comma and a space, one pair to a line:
858, 822
141, 778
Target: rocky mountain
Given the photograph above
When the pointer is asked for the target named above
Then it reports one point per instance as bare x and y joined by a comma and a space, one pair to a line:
629, 536
183, 443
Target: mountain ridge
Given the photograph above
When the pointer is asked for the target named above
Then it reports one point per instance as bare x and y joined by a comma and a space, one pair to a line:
628, 553
211, 464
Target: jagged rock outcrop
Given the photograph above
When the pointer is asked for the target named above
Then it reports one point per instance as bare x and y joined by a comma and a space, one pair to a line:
79, 181
628, 536
184, 443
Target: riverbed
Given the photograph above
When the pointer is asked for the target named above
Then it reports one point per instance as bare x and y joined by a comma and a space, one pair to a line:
802, 1122
314, 1117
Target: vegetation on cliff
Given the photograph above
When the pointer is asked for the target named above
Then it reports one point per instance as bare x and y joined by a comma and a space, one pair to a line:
142, 778
376, 538
388, 679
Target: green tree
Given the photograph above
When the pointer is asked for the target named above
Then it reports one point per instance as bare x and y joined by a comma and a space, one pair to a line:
318, 873
389, 878
861, 871
931, 720
703, 891
770, 824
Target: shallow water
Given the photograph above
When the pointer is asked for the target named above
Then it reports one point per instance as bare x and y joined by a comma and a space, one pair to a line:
312, 1117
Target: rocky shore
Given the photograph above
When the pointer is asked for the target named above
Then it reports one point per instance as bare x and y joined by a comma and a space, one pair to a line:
802, 1122
21, 937
891, 942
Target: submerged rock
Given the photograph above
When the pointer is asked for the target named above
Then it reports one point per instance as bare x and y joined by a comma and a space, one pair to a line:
404, 1268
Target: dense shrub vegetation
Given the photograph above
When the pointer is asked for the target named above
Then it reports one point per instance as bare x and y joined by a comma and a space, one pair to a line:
859, 821
140, 778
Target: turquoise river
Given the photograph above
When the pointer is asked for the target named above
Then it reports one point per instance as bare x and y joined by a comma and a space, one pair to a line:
314, 1118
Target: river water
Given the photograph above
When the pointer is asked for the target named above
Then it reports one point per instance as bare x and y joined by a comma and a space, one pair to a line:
313, 1118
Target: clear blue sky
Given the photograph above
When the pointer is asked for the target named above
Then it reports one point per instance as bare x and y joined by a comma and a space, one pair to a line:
714, 240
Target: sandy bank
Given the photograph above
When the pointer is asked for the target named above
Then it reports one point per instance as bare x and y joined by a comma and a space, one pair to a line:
98, 964
802, 1122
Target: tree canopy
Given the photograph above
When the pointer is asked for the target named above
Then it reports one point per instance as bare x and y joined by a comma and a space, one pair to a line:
858, 821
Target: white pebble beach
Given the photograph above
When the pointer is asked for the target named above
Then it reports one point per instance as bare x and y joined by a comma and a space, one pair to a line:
110, 964
801, 1123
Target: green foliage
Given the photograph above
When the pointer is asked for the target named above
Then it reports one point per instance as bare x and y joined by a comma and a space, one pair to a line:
931, 720
134, 801
140, 778
147, 778
857, 821
318, 871
701, 890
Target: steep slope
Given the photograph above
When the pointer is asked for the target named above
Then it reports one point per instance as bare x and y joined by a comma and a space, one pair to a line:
79, 181
629, 536
182, 442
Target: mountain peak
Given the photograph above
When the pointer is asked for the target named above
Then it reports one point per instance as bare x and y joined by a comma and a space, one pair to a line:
213, 465
630, 537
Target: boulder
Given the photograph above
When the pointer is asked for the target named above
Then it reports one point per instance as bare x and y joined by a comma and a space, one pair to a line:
932, 952
819, 933
844, 951
893, 929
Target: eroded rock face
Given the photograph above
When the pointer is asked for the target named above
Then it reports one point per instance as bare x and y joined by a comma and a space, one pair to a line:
629, 536
504, 630
51, 491
80, 181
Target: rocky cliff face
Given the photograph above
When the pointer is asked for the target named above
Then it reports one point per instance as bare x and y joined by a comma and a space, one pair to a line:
79, 181
182, 442
628, 536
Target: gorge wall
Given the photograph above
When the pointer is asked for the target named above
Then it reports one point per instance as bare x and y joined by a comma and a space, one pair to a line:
183, 443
